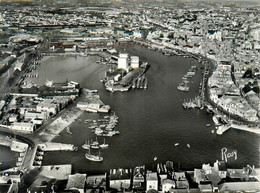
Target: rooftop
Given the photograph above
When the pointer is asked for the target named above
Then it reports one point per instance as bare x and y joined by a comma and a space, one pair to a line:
151, 176
76, 181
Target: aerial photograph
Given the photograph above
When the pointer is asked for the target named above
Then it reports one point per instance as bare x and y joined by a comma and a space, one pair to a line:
129, 96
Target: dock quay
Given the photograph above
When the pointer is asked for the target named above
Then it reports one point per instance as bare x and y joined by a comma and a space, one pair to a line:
253, 129
59, 124
51, 146
64, 54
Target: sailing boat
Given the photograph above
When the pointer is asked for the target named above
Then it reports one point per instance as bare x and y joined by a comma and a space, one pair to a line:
104, 145
95, 144
145, 83
92, 157
86, 145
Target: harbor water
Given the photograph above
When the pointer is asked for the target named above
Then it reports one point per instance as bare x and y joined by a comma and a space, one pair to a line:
8, 158
151, 121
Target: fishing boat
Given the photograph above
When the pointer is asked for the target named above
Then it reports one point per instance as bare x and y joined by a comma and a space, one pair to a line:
107, 134
188, 145
208, 125
104, 145
176, 144
91, 157
155, 158
68, 131
183, 87
86, 145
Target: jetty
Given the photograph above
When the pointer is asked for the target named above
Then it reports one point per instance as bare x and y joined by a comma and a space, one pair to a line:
51, 146
250, 128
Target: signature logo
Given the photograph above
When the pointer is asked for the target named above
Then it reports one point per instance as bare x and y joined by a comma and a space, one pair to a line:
225, 154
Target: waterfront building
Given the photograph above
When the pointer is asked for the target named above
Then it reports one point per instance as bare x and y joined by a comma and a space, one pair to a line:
209, 177
168, 185
205, 187
139, 177
152, 182
134, 62
199, 176
181, 180
220, 167
96, 182
120, 179
212, 175
162, 176
86, 106
123, 61
62, 101
47, 106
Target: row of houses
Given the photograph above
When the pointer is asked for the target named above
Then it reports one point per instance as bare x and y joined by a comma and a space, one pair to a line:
165, 179
224, 93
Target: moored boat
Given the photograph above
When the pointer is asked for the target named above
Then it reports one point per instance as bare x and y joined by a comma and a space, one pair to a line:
94, 144
68, 131
104, 145
86, 145
91, 157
